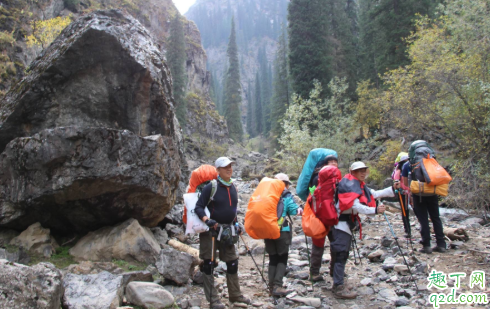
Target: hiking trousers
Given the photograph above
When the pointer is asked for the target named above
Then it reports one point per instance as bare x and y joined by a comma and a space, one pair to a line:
317, 254
425, 207
278, 250
340, 248
228, 255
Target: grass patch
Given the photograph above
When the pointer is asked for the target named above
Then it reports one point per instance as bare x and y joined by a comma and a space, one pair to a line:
61, 258
11, 248
126, 266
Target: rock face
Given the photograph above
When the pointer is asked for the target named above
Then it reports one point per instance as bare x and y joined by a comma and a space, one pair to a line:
175, 265
38, 286
36, 239
85, 178
102, 71
99, 291
128, 241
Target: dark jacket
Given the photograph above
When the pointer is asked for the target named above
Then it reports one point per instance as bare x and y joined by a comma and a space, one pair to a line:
223, 207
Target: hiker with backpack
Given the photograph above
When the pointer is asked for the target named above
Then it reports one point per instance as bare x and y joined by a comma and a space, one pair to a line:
405, 190
354, 198
278, 249
223, 233
426, 179
330, 176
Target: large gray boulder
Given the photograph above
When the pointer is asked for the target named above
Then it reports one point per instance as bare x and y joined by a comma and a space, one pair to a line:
39, 286
127, 241
82, 179
70, 131
104, 70
99, 291
175, 265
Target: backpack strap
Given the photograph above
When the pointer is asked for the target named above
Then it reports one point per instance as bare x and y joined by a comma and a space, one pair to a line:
214, 188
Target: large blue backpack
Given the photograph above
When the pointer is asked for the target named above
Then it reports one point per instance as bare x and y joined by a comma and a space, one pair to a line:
314, 157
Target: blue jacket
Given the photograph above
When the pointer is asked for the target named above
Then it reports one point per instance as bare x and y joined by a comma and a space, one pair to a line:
290, 208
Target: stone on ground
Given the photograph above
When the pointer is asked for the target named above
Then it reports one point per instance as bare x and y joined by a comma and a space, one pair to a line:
175, 265
36, 239
100, 291
38, 286
127, 241
148, 295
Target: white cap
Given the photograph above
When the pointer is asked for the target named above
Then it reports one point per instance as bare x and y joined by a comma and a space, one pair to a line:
403, 158
283, 177
222, 162
357, 165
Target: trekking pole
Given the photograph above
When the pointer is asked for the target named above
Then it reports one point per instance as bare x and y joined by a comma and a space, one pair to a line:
309, 262
358, 254
406, 221
267, 284
263, 260
212, 273
401, 252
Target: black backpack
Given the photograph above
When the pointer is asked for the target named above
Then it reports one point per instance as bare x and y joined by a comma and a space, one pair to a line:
418, 150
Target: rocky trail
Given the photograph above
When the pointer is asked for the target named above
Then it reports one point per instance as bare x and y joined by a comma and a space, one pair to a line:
382, 280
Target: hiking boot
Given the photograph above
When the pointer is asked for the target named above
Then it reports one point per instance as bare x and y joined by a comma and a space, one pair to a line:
316, 278
426, 250
341, 291
240, 299
280, 291
439, 249
217, 304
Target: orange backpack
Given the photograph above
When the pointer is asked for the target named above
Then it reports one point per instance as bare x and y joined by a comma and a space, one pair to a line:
200, 175
312, 226
434, 174
261, 217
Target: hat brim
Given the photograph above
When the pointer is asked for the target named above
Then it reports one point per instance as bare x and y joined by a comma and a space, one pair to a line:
227, 163
359, 168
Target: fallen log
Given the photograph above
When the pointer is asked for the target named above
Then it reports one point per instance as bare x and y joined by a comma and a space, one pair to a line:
456, 234
185, 248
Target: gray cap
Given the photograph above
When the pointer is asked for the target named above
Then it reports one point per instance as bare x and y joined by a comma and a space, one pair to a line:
222, 162
283, 177
357, 165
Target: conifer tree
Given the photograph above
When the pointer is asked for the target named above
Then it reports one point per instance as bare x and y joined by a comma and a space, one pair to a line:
232, 94
265, 89
259, 118
342, 40
281, 92
176, 57
309, 54
250, 123
383, 26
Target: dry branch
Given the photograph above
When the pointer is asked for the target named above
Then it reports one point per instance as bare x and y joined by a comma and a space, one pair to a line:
185, 248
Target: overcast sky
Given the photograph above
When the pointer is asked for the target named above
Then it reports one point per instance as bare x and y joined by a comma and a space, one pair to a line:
183, 5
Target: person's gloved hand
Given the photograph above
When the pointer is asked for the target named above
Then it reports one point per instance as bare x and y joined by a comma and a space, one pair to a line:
211, 223
299, 211
239, 229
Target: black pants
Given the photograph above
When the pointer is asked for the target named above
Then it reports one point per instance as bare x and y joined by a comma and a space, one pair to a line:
340, 247
424, 207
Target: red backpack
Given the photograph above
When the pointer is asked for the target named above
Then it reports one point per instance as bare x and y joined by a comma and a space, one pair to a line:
323, 200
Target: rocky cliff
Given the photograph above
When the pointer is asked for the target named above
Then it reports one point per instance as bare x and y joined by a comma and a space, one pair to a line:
155, 15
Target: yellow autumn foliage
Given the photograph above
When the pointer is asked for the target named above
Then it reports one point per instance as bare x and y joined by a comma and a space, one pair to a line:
45, 31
